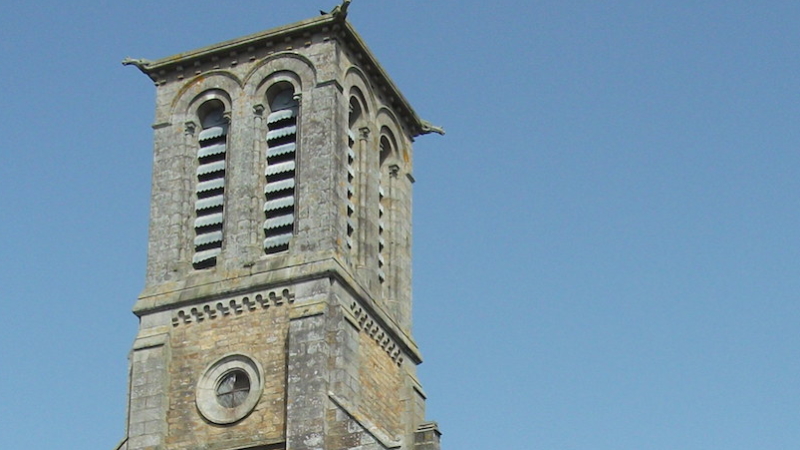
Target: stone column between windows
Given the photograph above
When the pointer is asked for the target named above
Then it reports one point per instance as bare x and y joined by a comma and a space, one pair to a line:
259, 168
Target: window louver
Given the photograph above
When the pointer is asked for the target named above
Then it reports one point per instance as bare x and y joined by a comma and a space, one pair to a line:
351, 191
279, 190
209, 207
208, 238
280, 221
212, 132
210, 202
381, 213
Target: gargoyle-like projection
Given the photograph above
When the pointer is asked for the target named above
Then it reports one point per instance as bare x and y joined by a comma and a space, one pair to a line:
340, 11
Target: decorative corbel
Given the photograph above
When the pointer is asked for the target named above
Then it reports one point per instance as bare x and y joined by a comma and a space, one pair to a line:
259, 109
298, 97
190, 127
394, 169
363, 133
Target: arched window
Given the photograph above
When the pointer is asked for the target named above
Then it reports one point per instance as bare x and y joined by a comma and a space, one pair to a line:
209, 207
355, 114
279, 191
387, 150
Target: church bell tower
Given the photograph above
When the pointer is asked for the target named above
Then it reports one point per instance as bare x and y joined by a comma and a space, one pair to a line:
276, 312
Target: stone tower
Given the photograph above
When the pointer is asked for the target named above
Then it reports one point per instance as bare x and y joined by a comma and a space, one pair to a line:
277, 307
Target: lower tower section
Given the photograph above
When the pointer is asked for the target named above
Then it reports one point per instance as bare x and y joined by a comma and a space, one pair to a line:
309, 364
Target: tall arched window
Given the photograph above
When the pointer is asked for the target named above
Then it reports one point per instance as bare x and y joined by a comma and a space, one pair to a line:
353, 121
209, 207
387, 150
279, 191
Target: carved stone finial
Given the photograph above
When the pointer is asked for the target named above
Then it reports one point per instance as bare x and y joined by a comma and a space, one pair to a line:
140, 63
428, 128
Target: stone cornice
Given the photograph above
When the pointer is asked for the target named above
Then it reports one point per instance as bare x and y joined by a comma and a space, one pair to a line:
233, 307
151, 68
257, 280
385, 83
244, 48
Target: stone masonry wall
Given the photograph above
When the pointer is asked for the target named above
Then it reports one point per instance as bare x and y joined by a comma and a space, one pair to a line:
260, 334
381, 381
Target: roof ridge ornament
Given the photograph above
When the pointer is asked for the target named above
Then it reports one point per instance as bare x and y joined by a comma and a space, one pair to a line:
340, 11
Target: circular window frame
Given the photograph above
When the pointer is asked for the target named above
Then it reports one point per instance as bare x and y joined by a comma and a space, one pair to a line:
206, 392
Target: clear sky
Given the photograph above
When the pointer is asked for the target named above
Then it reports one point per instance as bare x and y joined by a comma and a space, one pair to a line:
607, 250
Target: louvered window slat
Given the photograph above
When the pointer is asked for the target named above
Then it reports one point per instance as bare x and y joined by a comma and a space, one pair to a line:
212, 133
278, 203
214, 149
277, 240
210, 202
277, 186
281, 150
208, 220
205, 255
208, 238
210, 185
281, 132
279, 221
216, 166
284, 114
284, 167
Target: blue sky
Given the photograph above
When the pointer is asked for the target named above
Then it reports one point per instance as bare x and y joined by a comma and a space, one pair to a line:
607, 252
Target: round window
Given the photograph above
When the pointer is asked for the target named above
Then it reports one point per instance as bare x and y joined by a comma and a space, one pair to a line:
229, 389
233, 388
